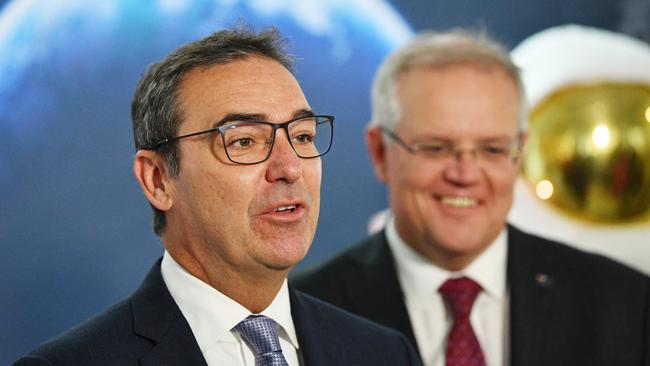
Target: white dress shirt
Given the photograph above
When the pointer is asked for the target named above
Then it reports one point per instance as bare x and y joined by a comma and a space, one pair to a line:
212, 316
420, 281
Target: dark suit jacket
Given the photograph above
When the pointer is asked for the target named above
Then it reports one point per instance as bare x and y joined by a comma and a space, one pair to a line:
567, 307
148, 328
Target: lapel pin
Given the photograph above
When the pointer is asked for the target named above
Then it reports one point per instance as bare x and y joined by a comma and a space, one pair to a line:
544, 280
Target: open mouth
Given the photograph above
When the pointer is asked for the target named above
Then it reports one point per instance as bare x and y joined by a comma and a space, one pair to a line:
459, 201
289, 208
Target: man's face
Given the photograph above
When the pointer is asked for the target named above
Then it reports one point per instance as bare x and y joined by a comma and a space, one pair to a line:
227, 214
450, 209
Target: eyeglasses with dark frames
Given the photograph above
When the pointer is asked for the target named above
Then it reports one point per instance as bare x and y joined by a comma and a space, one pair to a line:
251, 142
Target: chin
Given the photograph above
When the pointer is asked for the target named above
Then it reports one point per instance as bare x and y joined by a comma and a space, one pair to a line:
283, 263
284, 255
461, 241
280, 267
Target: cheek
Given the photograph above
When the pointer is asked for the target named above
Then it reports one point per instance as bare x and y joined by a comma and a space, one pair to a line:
230, 194
220, 201
412, 178
410, 190
312, 170
312, 174
503, 187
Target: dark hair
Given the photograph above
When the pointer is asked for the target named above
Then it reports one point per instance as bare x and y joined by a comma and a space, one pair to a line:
155, 109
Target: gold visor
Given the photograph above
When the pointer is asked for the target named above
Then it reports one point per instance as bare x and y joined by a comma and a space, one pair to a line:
588, 151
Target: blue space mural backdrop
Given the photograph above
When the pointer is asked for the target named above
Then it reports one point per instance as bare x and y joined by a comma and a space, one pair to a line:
75, 230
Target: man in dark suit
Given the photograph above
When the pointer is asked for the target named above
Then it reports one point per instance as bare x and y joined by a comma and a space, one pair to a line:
228, 156
447, 271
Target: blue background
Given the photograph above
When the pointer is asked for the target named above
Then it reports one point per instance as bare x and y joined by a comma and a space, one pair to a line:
75, 230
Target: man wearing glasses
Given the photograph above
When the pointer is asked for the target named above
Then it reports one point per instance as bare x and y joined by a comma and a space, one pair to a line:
228, 156
447, 271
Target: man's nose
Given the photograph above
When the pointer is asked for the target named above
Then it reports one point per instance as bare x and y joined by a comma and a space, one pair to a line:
464, 167
283, 163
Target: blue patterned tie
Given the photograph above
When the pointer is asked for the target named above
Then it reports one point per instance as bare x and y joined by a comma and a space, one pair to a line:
260, 332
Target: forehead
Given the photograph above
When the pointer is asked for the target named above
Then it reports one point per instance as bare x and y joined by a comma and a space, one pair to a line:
459, 100
253, 85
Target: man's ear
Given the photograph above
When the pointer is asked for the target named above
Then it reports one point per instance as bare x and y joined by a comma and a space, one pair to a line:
377, 151
152, 175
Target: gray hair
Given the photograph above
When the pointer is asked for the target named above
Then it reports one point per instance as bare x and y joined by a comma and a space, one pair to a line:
437, 50
155, 108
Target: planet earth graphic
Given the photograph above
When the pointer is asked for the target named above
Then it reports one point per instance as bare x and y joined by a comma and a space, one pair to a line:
75, 229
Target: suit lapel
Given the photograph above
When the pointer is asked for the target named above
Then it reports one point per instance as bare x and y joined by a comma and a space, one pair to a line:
531, 282
157, 318
320, 343
177, 347
374, 289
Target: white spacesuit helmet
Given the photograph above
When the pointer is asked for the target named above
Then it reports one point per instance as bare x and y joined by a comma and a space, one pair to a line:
588, 157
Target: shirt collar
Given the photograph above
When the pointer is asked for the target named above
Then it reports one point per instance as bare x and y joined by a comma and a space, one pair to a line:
211, 314
418, 276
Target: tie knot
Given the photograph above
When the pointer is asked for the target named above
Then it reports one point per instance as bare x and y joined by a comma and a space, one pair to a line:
261, 333
459, 294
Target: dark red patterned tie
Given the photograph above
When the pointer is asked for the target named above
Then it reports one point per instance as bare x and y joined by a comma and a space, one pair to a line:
463, 348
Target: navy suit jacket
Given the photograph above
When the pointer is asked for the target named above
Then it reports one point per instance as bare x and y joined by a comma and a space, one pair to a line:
567, 307
148, 328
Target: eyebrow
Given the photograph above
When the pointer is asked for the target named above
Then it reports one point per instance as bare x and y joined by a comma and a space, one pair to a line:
245, 117
437, 138
303, 113
258, 117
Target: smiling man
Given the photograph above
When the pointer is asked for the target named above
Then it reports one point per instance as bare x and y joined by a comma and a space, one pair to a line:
465, 287
228, 156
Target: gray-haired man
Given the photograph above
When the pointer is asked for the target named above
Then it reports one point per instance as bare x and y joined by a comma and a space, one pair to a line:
448, 272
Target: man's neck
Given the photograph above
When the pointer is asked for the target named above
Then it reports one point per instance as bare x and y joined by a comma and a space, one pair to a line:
254, 291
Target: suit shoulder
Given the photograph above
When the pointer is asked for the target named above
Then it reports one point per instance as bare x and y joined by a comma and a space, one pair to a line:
351, 259
578, 262
345, 318
109, 332
368, 336
30, 360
